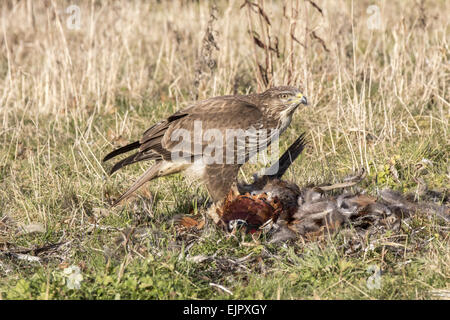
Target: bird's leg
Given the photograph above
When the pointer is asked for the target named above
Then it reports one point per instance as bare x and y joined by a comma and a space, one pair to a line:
234, 190
212, 212
348, 182
217, 206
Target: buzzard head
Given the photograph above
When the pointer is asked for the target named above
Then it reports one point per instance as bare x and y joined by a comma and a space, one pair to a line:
283, 99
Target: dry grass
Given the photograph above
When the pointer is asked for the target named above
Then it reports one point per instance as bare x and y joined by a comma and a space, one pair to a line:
379, 99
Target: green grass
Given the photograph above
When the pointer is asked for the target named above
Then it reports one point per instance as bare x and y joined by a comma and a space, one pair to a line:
157, 266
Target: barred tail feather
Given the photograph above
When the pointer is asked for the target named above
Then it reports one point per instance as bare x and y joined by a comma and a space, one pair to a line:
289, 156
151, 173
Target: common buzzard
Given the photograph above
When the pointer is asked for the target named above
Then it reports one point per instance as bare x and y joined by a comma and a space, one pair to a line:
247, 123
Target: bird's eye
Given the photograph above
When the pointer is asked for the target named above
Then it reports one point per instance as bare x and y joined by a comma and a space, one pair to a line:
283, 96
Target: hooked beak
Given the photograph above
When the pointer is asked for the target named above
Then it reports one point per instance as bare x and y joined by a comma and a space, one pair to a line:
300, 99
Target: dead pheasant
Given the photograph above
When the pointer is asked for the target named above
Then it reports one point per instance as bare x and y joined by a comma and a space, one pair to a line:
288, 211
266, 199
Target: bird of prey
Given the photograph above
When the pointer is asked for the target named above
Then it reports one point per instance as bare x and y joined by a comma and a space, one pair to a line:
271, 111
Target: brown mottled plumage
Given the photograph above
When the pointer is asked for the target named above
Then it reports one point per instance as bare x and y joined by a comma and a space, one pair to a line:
271, 110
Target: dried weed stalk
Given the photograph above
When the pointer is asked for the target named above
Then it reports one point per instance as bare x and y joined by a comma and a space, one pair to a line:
266, 39
207, 62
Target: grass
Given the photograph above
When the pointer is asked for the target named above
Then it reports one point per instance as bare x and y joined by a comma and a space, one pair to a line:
378, 99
